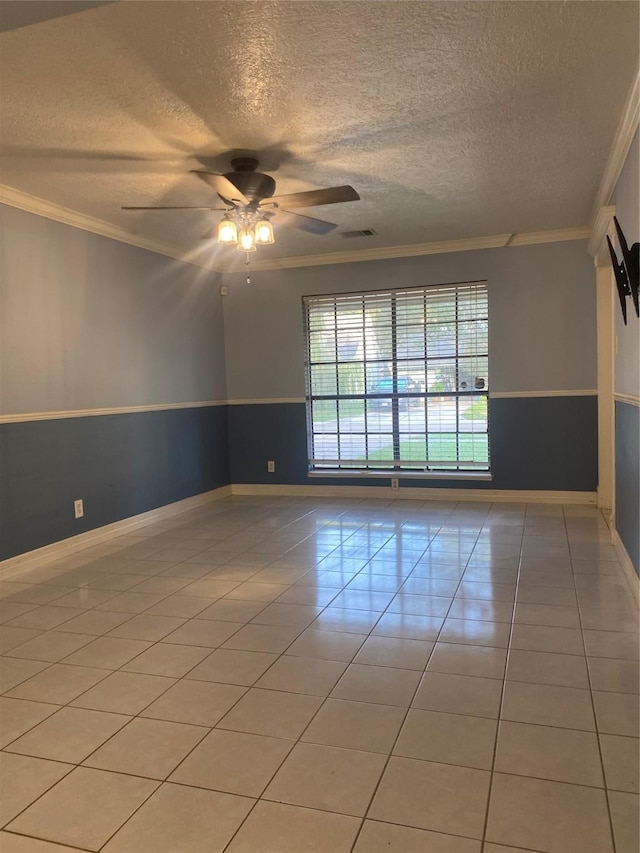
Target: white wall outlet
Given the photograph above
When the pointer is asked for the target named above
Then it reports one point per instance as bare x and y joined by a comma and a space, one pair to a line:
271, 466
395, 484
78, 508
224, 291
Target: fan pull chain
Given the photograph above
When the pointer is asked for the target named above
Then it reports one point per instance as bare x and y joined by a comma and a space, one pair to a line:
246, 263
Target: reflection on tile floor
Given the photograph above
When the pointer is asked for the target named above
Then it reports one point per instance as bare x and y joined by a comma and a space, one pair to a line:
282, 676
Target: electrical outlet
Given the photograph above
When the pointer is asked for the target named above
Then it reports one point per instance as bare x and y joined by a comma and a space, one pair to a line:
271, 466
78, 508
395, 484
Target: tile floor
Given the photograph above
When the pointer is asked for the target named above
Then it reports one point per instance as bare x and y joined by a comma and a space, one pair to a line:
298, 676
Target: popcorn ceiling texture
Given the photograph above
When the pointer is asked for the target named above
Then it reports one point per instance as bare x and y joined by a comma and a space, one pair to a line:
452, 120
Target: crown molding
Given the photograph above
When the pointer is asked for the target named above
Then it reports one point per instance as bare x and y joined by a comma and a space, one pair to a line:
41, 207
620, 148
601, 225
530, 238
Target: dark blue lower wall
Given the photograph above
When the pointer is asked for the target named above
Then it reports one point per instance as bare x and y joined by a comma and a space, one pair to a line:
120, 465
628, 479
542, 443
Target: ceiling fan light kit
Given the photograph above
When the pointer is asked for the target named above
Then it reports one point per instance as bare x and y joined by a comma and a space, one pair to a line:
251, 203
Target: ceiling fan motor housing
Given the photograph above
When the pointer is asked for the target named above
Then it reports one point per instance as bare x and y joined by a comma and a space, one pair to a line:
254, 185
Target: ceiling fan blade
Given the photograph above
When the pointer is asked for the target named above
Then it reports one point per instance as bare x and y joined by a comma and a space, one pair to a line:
223, 186
188, 207
332, 195
303, 223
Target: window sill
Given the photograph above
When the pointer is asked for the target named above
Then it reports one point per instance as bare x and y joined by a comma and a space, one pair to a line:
483, 476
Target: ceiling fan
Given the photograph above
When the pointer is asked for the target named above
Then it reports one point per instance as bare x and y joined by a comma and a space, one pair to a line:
251, 203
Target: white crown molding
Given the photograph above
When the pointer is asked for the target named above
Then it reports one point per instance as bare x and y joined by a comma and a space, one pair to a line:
498, 241
21, 563
32, 204
621, 143
631, 399
93, 413
601, 226
503, 395
531, 238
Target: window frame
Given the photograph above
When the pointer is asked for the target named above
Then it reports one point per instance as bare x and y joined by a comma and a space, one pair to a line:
397, 466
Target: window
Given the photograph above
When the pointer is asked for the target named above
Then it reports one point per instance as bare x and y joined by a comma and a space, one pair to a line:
397, 381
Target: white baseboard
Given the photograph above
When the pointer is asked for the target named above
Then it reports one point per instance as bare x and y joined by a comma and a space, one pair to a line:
415, 494
627, 566
31, 559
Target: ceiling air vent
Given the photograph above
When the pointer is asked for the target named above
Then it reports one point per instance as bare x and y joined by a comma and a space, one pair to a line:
365, 232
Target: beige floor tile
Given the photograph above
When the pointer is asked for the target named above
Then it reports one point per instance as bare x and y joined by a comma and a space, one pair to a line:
185, 606
145, 627
58, 684
346, 620
548, 705
70, 735
459, 694
395, 652
438, 797
179, 818
230, 666
478, 661
124, 692
14, 671
448, 739
161, 585
621, 756
302, 675
27, 593
542, 638
327, 778
550, 816
262, 638
10, 609
68, 814
227, 610
355, 725
151, 748
203, 632
316, 596
96, 622
277, 828
501, 848
200, 703
547, 614
167, 659
44, 617
611, 644
249, 591
272, 713
327, 645
624, 815
479, 609
287, 615
475, 632
49, 646
377, 837
599, 619
107, 652
536, 594
617, 713
408, 626
561, 755
420, 605
209, 588
361, 599
131, 602
236, 762
22, 844
377, 684
547, 668
430, 585
613, 675
24, 780
18, 716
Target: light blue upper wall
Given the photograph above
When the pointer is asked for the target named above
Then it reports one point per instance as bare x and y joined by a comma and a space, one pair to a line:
627, 201
542, 315
87, 322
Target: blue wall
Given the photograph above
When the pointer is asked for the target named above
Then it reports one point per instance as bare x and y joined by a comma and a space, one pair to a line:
627, 480
544, 443
120, 465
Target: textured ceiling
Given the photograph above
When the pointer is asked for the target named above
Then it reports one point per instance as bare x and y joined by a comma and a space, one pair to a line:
452, 119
